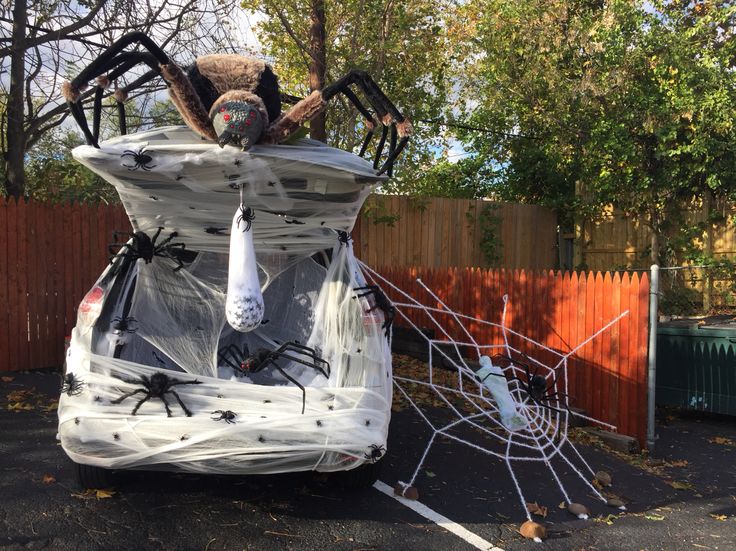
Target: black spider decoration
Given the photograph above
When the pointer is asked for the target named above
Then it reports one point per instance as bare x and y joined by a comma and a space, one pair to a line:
535, 386
158, 386
243, 363
71, 385
224, 415
247, 214
141, 159
375, 452
231, 99
122, 325
146, 247
344, 237
215, 231
380, 301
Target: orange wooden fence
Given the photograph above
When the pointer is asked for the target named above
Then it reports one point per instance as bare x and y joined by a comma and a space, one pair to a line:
607, 377
50, 254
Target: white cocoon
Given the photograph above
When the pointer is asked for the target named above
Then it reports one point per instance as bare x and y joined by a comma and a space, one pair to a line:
495, 381
244, 303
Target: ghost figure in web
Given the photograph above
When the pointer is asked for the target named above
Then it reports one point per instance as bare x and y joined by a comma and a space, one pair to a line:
244, 304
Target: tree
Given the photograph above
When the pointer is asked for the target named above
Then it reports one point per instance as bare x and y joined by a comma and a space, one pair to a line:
46, 42
587, 103
403, 46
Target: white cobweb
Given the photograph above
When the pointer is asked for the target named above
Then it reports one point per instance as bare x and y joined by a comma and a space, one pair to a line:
490, 409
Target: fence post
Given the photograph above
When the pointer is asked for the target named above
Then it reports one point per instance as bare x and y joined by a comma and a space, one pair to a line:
652, 373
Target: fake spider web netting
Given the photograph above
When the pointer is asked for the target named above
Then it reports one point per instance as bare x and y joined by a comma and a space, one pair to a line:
486, 404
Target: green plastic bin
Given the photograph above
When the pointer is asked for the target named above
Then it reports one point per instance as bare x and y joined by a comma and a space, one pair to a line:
696, 365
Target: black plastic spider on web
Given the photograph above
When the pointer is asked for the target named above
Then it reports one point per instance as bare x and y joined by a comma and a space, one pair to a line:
71, 385
535, 386
344, 237
247, 215
146, 247
122, 325
380, 301
140, 159
242, 363
158, 386
375, 453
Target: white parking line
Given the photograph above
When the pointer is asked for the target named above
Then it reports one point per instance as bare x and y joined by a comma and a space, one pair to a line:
473, 539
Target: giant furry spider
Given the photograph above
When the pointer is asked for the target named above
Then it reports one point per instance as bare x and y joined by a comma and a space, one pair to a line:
233, 99
535, 385
158, 386
241, 362
146, 247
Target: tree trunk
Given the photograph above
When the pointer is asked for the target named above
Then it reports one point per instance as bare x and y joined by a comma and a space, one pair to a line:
15, 111
317, 64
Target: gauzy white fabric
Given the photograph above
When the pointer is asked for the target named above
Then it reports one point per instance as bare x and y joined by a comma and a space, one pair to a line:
240, 423
244, 303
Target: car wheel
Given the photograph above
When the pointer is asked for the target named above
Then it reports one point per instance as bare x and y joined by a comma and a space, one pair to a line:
360, 478
90, 477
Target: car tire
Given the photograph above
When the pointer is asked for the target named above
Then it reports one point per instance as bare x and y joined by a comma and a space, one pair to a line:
359, 478
90, 477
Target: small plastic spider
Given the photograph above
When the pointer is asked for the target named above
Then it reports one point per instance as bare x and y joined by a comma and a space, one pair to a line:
158, 386
146, 247
243, 363
344, 237
140, 160
381, 301
247, 215
535, 386
71, 386
375, 452
226, 415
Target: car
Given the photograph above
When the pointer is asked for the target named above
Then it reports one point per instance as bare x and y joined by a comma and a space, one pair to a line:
156, 379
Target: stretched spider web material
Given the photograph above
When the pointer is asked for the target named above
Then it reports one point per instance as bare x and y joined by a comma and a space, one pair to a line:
542, 433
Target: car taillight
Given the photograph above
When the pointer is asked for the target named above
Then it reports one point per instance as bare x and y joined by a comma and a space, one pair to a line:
91, 306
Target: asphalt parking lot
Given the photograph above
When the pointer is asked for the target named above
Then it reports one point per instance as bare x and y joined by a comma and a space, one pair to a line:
684, 499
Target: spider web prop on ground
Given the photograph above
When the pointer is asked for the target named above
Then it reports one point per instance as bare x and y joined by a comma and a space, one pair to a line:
497, 404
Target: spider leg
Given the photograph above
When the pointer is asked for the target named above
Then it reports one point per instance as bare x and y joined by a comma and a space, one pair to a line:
181, 91
226, 354
388, 113
306, 351
166, 404
290, 378
186, 410
139, 404
128, 395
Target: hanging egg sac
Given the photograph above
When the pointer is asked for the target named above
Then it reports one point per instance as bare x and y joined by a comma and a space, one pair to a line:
244, 303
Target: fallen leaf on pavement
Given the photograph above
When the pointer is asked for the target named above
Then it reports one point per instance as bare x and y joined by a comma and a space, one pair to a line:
678, 463
722, 440
680, 485
719, 517
653, 517
536, 509
48, 479
7, 379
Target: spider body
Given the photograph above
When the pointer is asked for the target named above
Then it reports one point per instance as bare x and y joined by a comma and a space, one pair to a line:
344, 237
247, 215
224, 415
140, 160
243, 363
71, 385
157, 386
146, 247
232, 99
535, 386
375, 452
381, 302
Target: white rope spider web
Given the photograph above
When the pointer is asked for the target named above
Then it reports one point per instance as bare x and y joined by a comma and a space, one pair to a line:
518, 428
